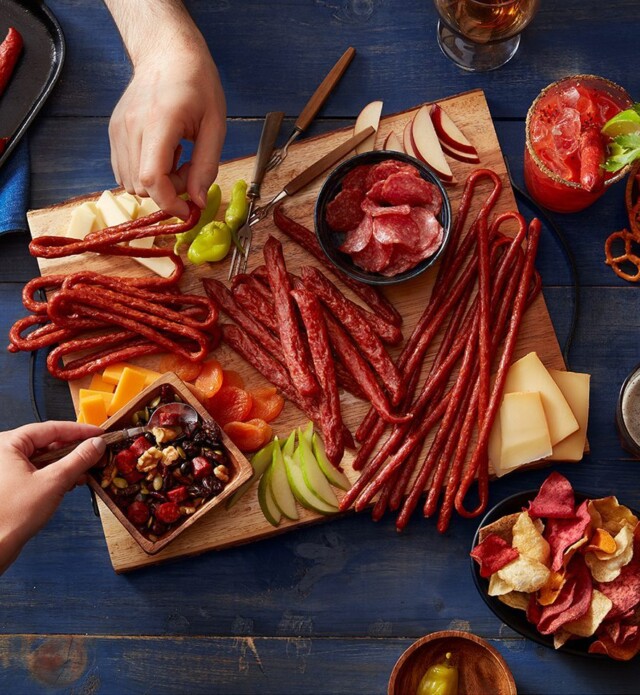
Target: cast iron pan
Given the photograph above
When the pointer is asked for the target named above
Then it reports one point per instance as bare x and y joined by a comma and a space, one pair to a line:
37, 70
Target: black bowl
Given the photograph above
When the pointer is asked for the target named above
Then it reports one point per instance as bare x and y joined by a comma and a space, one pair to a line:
330, 240
516, 619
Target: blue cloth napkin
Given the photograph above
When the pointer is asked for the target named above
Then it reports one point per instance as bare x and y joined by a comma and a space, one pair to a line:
14, 190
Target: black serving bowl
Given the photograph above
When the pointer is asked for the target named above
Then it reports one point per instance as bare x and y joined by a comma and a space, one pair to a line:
330, 240
516, 619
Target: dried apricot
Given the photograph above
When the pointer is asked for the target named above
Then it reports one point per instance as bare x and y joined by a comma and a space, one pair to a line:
232, 378
187, 371
249, 436
209, 380
267, 403
228, 404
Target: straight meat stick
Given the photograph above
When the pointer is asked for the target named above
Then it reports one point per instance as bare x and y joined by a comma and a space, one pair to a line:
479, 460
484, 294
330, 415
293, 342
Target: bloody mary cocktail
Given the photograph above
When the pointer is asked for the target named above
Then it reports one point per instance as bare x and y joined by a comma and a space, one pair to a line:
565, 150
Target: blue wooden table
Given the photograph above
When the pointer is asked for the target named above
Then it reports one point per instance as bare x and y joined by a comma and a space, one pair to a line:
326, 609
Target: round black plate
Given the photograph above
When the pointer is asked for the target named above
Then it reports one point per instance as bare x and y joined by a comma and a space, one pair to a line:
516, 619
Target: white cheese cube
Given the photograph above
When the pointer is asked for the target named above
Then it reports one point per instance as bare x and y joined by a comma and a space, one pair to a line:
129, 203
83, 221
112, 213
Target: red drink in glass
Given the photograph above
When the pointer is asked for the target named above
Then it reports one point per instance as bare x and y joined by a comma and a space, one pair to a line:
555, 122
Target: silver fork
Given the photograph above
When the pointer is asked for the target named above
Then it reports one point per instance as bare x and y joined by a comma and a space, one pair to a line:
314, 105
270, 130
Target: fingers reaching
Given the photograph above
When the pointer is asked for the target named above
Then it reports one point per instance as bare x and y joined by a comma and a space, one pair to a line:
72, 466
28, 438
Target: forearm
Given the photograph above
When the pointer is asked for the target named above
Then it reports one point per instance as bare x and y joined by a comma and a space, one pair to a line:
149, 26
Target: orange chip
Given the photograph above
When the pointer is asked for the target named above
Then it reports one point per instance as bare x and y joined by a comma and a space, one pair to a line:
232, 378
603, 541
186, 370
549, 592
209, 380
267, 403
229, 404
249, 436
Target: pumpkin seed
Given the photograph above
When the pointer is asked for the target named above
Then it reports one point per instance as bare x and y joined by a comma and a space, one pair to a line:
155, 402
120, 483
157, 482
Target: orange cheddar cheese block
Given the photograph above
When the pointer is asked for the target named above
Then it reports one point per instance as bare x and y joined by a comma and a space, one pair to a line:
106, 397
93, 410
113, 373
131, 383
99, 384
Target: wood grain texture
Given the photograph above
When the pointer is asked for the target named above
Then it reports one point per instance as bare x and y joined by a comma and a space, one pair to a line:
245, 522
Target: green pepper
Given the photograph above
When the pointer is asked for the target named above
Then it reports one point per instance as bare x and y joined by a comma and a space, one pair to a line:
214, 196
237, 210
440, 679
211, 245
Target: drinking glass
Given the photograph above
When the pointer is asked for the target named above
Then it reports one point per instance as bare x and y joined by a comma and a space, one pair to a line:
481, 35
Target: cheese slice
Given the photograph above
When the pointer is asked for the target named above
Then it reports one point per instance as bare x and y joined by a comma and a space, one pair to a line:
529, 374
99, 384
93, 410
112, 212
83, 221
130, 385
88, 393
524, 432
575, 388
147, 206
113, 373
129, 203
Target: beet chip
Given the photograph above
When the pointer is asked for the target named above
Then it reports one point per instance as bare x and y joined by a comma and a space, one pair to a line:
572, 602
344, 212
624, 590
493, 554
620, 642
562, 533
555, 499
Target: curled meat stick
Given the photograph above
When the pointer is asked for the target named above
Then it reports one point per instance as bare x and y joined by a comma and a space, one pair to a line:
360, 371
484, 295
331, 417
349, 315
479, 461
306, 238
453, 258
291, 338
46, 335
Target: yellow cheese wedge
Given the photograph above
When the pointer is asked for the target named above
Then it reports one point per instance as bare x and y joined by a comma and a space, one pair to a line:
80, 418
112, 213
99, 384
523, 430
93, 410
529, 374
129, 203
131, 383
83, 221
87, 393
113, 373
575, 388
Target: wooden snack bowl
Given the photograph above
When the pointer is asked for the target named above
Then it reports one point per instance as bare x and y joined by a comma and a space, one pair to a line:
241, 469
481, 668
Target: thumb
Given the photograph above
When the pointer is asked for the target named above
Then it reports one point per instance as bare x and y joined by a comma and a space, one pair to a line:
204, 161
69, 468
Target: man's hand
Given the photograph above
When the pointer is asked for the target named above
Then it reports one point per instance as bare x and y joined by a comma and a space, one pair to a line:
32, 495
175, 93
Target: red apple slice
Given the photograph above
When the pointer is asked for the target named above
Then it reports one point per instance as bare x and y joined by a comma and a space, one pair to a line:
460, 156
427, 146
393, 143
369, 116
407, 142
448, 132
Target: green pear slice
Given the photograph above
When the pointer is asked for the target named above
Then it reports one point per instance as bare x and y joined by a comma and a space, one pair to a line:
333, 475
289, 446
265, 499
280, 488
260, 461
301, 490
306, 433
314, 477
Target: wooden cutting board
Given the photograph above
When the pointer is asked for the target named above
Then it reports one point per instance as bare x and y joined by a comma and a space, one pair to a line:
245, 522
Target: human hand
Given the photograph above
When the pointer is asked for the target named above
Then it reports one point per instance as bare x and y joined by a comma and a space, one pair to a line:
175, 93
32, 494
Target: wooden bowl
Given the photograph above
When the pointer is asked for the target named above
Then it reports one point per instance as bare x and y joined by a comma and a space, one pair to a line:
241, 469
481, 668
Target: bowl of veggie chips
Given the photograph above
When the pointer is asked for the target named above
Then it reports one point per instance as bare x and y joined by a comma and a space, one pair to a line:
563, 569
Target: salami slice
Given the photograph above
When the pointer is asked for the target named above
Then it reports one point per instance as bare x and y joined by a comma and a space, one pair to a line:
403, 188
430, 232
381, 171
370, 207
359, 237
374, 257
356, 179
344, 212
397, 229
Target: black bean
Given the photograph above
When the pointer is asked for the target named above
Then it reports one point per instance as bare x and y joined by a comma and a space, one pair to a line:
186, 467
157, 496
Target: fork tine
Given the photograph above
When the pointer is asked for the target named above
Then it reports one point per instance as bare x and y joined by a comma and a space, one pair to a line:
245, 256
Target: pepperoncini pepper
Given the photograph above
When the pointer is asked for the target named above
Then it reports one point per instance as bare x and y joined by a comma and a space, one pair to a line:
440, 679
214, 196
236, 213
212, 243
